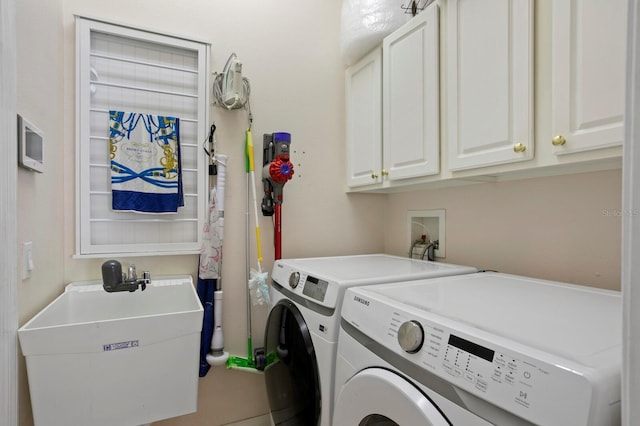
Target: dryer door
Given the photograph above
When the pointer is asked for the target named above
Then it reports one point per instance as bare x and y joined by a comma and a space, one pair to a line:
291, 374
376, 396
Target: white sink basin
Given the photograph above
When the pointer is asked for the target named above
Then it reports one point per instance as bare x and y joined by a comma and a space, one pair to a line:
114, 358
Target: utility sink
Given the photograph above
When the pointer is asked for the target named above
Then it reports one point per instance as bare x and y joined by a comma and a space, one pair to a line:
124, 358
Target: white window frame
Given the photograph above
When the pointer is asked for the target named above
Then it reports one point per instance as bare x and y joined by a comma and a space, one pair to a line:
86, 246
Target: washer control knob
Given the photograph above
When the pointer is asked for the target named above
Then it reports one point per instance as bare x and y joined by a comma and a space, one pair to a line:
411, 336
294, 278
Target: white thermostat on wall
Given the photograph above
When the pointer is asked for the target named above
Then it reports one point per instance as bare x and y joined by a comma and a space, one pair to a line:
30, 145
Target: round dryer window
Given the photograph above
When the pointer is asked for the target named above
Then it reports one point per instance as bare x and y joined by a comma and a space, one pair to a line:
291, 374
379, 397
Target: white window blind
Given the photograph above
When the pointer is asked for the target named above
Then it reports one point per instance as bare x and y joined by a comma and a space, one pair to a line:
126, 69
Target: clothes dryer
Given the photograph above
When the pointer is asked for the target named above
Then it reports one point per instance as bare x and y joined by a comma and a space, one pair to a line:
476, 350
302, 328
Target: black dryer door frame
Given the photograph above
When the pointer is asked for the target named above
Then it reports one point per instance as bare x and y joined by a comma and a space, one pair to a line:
291, 375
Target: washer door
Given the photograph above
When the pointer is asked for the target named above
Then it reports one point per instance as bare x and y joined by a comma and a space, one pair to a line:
293, 386
376, 396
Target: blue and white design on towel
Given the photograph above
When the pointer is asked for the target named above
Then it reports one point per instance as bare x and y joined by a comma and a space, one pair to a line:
146, 172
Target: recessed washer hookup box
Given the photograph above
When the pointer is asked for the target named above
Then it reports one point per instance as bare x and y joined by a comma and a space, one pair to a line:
98, 358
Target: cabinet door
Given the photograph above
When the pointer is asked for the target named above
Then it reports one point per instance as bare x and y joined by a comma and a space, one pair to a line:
364, 120
410, 79
588, 89
490, 82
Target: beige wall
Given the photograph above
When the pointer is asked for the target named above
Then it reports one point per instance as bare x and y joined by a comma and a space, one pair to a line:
551, 227
40, 196
40, 204
564, 228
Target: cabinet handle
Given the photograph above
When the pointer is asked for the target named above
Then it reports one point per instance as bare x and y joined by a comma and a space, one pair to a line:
519, 147
558, 140
384, 172
374, 176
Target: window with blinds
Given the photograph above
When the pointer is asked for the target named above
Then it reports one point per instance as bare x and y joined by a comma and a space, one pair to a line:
125, 69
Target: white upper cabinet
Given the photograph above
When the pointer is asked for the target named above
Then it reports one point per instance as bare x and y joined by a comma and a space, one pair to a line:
469, 64
588, 74
363, 86
489, 47
411, 103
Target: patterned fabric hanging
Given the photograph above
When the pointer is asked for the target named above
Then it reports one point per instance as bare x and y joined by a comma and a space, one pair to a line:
146, 172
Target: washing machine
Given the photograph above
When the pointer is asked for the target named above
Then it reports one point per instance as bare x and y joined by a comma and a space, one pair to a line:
479, 349
302, 328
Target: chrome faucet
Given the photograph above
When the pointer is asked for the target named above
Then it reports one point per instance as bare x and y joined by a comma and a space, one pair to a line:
113, 279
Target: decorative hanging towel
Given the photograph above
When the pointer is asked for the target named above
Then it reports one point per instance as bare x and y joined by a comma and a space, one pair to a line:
146, 172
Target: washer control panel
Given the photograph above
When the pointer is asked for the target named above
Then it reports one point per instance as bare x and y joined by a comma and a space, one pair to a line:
315, 288
306, 285
540, 391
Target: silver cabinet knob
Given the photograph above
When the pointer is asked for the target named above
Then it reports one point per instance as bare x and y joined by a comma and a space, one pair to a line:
411, 336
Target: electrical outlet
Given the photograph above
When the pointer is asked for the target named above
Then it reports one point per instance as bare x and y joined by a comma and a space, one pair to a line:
426, 226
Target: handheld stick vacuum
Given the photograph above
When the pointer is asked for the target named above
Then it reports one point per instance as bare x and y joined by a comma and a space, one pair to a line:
277, 170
